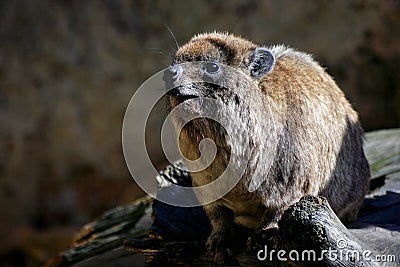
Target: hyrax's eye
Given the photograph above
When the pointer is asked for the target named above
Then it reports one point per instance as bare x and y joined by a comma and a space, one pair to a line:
211, 67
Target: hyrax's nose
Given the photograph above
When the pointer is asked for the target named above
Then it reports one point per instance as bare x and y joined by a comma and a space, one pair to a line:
172, 74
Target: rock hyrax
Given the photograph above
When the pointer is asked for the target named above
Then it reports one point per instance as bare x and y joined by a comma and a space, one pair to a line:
307, 138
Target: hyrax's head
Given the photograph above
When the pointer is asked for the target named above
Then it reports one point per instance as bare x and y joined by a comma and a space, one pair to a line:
217, 60
217, 66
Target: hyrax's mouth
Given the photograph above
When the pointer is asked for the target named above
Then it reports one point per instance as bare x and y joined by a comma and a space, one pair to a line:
183, 93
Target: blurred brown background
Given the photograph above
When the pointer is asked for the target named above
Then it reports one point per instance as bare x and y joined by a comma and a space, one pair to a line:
69, 68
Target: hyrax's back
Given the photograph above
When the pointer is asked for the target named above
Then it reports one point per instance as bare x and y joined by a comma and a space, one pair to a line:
320, 147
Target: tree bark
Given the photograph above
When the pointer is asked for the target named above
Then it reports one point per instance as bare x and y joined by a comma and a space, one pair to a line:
121, 236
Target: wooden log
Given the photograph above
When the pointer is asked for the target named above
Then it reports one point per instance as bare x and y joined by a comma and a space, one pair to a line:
310, 234
102, 240
308, 224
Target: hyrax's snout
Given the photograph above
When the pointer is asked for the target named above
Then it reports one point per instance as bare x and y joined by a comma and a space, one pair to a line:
177, 85
172, 74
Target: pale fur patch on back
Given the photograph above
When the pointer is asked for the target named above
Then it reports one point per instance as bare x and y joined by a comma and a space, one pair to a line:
282, 51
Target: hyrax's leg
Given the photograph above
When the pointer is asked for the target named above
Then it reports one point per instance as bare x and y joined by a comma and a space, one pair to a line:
270, 222
271, 219
267, 228
219, 242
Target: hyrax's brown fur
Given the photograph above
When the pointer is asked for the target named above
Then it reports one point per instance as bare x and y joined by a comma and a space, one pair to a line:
310, 140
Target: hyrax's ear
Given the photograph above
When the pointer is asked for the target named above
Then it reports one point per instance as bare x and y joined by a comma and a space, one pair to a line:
261, 62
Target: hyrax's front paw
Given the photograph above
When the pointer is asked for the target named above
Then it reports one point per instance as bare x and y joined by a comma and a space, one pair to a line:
218, 248
258, 239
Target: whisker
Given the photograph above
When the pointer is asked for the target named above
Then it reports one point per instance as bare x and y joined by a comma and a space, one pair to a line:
161, 52
236, 23
173, 36
172, 49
